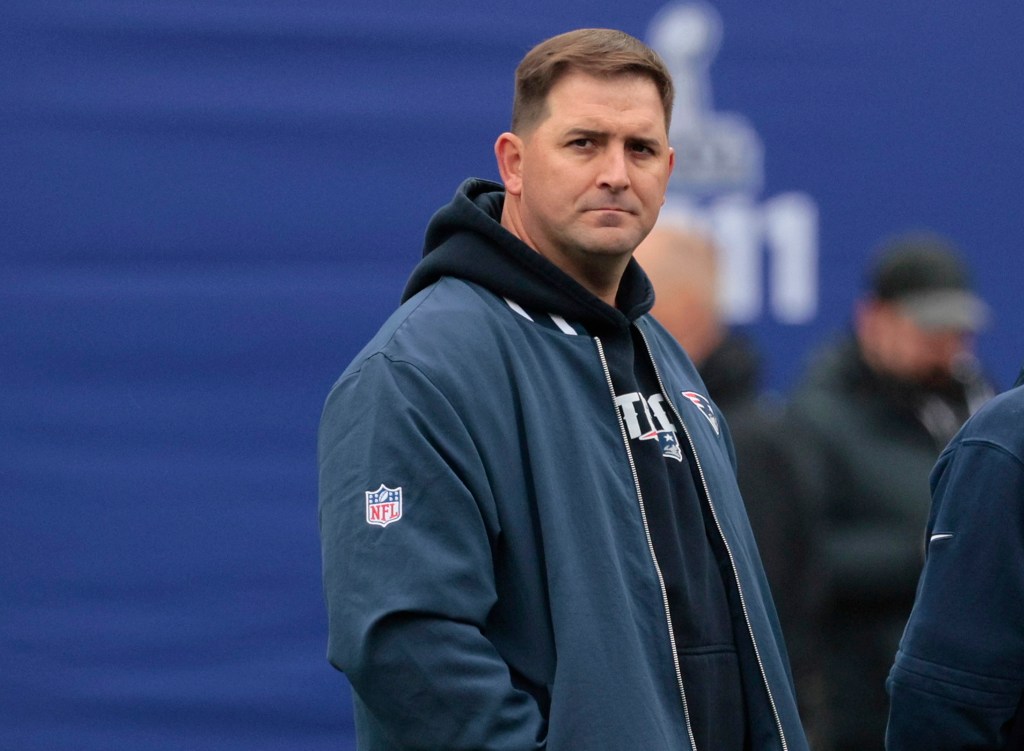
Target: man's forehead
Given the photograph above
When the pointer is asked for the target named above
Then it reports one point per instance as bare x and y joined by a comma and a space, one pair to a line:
585, 102
605, 112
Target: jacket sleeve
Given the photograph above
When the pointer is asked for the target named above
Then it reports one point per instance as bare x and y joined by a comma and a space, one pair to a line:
408, 602
958, 677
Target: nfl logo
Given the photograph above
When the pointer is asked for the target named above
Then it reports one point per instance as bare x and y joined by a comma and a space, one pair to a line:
383, 505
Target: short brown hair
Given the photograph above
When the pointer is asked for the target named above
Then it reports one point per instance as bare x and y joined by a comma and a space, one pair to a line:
603, 53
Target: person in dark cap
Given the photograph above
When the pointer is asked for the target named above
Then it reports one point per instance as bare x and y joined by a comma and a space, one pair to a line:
872, 412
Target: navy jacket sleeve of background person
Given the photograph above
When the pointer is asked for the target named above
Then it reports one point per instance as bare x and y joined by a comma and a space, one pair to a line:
958, 679
489, 580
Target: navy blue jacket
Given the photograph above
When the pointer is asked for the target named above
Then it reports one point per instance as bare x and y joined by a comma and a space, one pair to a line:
488, 571
958, 679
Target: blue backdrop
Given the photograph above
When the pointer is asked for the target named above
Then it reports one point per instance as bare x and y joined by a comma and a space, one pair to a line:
208, 207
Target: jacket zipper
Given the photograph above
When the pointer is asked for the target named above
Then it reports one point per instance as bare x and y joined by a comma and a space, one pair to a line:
650, 544
721, 534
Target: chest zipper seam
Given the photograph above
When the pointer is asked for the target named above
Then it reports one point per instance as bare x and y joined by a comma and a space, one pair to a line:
650, 545
725, 541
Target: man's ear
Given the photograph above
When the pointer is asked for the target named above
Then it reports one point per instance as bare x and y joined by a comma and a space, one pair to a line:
508, 150
671, 166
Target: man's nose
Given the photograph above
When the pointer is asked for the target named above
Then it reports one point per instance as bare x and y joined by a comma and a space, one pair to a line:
614, 174
948, 347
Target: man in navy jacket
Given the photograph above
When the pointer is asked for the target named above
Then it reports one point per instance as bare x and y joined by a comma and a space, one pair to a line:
532, 533
958, 680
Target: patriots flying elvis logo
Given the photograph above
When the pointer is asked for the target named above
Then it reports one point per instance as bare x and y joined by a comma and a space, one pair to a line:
702, 403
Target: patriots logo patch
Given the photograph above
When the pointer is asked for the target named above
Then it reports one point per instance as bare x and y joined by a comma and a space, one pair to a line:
702, 403
668, 442
670, 445
383, 505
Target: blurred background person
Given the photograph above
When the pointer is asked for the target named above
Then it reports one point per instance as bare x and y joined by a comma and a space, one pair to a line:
682, 262
872, 412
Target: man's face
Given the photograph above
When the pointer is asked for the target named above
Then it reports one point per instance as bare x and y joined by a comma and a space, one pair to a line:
590, 178
899, 346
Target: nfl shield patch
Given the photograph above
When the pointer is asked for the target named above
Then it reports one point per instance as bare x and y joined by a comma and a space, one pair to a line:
383, 505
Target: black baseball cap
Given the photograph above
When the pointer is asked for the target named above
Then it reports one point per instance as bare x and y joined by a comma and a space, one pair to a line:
925, 275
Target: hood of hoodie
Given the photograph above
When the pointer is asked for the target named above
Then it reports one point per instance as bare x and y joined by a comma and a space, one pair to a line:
465, 239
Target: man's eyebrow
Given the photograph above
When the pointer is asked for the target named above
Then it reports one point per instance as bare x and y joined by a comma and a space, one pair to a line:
651, 143
585, 133
597, 135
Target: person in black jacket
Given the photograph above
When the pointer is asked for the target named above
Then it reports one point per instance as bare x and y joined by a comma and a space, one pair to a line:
681, 260
872, 413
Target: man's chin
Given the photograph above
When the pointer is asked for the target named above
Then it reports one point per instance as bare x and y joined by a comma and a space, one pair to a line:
611, 241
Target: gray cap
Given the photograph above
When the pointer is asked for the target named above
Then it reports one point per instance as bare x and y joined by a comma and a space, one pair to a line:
924, 274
